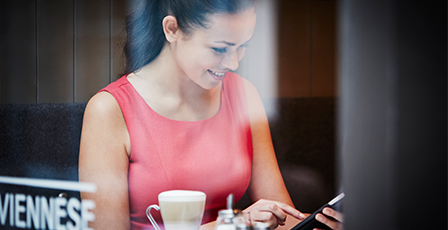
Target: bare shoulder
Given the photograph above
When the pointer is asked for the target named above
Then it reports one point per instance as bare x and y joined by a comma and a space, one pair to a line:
250, 89
254, 104
104, 122
104, 105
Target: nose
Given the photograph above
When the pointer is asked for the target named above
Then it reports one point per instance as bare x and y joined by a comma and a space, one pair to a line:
230, 61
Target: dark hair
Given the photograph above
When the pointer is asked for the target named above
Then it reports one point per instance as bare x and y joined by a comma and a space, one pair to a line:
145, 37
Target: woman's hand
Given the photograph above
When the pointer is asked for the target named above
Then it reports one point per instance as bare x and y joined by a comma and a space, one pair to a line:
272, 212
331, 223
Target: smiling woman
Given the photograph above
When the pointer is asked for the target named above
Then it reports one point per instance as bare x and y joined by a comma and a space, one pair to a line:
208, 52
145, 32
179, 120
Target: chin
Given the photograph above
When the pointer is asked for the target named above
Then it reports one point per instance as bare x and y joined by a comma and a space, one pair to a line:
210, 86
208, 83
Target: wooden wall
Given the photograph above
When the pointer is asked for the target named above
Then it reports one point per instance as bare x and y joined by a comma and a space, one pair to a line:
62, 51
59, 51
307, 48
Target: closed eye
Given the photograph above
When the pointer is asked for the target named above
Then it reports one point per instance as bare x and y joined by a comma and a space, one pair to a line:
219, 50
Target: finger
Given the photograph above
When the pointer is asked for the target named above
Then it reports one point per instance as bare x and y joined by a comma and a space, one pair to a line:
275, 210
265, 217
330, 223
333, 213
290, 210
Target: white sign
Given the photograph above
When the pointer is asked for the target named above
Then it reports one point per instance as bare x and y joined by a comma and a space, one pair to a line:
38, 212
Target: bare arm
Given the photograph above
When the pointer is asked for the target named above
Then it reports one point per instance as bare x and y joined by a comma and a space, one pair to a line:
104, 161
266, 185
266, 181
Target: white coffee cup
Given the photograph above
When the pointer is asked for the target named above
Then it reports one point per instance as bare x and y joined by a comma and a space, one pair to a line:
180, 209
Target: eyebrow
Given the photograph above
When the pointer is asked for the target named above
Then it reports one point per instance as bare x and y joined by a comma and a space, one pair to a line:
230, 43
227, 43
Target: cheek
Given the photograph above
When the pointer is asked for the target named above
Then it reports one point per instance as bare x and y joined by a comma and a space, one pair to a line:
198, 59
241, 53
210, 60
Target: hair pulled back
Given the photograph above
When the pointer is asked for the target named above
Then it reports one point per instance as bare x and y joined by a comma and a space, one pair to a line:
145, 36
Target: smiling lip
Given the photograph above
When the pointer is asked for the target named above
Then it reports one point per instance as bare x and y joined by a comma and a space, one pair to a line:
217, 75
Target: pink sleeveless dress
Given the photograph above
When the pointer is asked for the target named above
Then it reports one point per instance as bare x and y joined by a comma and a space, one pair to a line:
212, 155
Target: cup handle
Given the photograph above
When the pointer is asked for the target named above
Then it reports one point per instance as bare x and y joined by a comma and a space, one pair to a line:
151, 219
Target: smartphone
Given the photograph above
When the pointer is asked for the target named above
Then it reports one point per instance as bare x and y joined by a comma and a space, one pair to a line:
310, 222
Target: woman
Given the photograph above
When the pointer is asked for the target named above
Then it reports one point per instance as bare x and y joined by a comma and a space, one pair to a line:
180, 120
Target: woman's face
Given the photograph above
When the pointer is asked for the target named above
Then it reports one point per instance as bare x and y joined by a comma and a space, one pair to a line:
206, 55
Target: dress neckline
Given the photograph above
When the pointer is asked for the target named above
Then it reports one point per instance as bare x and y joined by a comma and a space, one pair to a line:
142, 100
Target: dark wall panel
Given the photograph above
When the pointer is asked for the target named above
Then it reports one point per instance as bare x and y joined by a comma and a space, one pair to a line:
118, 14
55, 50
59, 51
17, 51
307, 53
294, 48
323, 49
92, 65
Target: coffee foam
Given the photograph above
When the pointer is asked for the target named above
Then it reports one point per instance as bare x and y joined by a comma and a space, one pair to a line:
181, 196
